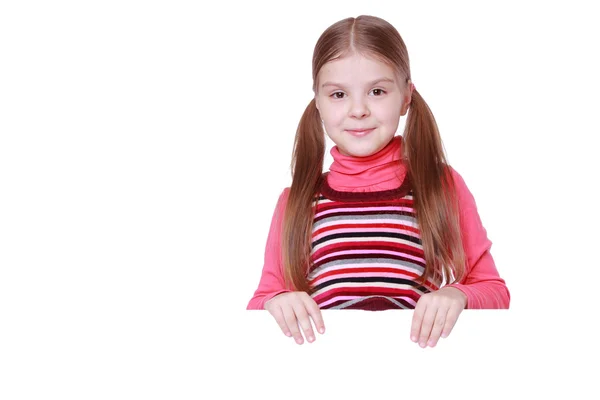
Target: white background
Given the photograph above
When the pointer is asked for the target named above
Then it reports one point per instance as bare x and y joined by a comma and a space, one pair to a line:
143, 146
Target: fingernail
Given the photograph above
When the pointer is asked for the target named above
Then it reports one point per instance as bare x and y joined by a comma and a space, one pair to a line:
422, 344
288, 334
444, 335
431, 343
310, 338
413, 338
321, 330
299, 341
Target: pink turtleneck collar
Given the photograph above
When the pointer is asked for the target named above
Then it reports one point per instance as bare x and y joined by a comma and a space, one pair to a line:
377, 172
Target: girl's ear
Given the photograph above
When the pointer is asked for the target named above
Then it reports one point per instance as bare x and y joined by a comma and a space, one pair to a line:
404, 108
318, 109
406, 100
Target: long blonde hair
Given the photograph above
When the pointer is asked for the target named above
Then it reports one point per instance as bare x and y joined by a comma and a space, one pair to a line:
434, 191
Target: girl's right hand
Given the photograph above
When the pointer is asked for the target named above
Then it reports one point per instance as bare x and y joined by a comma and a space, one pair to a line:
293, 308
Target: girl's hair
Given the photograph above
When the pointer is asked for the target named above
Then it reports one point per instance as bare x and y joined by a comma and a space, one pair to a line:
433, 187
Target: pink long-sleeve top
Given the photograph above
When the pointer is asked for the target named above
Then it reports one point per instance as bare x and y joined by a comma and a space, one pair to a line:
383, 173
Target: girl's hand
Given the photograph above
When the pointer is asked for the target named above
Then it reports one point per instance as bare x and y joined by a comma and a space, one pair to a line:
435, 314
293, 308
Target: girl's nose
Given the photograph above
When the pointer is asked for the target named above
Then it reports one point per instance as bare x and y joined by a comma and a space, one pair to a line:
359, 109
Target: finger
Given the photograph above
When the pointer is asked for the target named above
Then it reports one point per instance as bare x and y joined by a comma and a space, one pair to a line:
438, 325
292, 323
277, 313
304, 321
315, 313
417, 319
451, 319
427, 325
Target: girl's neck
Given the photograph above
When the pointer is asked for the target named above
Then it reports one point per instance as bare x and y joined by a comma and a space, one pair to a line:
380, 171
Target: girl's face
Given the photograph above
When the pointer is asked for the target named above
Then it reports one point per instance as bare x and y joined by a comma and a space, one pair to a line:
356, 93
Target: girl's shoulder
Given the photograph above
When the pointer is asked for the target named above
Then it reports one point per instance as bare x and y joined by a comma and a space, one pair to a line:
465, 198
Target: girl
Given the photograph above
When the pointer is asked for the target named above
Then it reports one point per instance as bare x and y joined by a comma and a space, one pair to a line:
391, 225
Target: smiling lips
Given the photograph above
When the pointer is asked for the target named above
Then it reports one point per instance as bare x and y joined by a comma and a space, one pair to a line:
360, 133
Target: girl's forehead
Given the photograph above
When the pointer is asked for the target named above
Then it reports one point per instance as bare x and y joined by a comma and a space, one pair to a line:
355, 69
356, 61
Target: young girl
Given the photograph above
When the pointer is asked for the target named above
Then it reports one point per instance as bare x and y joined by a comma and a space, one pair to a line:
391, 225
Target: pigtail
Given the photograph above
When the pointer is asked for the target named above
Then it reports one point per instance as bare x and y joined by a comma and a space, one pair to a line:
435, 199
307, 169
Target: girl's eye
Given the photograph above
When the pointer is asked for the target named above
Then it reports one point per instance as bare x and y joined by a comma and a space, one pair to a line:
380, 91
335, 95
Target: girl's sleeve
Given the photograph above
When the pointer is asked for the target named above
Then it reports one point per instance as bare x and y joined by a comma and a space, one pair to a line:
482, 284
272, 281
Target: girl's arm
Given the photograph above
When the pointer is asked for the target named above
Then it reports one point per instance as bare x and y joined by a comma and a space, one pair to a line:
271, 281
482, 283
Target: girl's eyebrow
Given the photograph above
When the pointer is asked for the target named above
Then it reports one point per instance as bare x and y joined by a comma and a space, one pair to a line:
370, 84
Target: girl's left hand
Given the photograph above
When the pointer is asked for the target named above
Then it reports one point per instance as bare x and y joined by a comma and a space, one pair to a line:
435, 314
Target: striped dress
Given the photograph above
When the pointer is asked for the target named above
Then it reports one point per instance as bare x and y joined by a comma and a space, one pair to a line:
366, 250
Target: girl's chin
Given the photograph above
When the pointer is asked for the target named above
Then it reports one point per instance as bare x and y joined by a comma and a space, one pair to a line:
358, 151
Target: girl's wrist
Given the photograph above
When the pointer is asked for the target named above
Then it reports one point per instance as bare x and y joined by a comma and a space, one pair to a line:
459, 293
